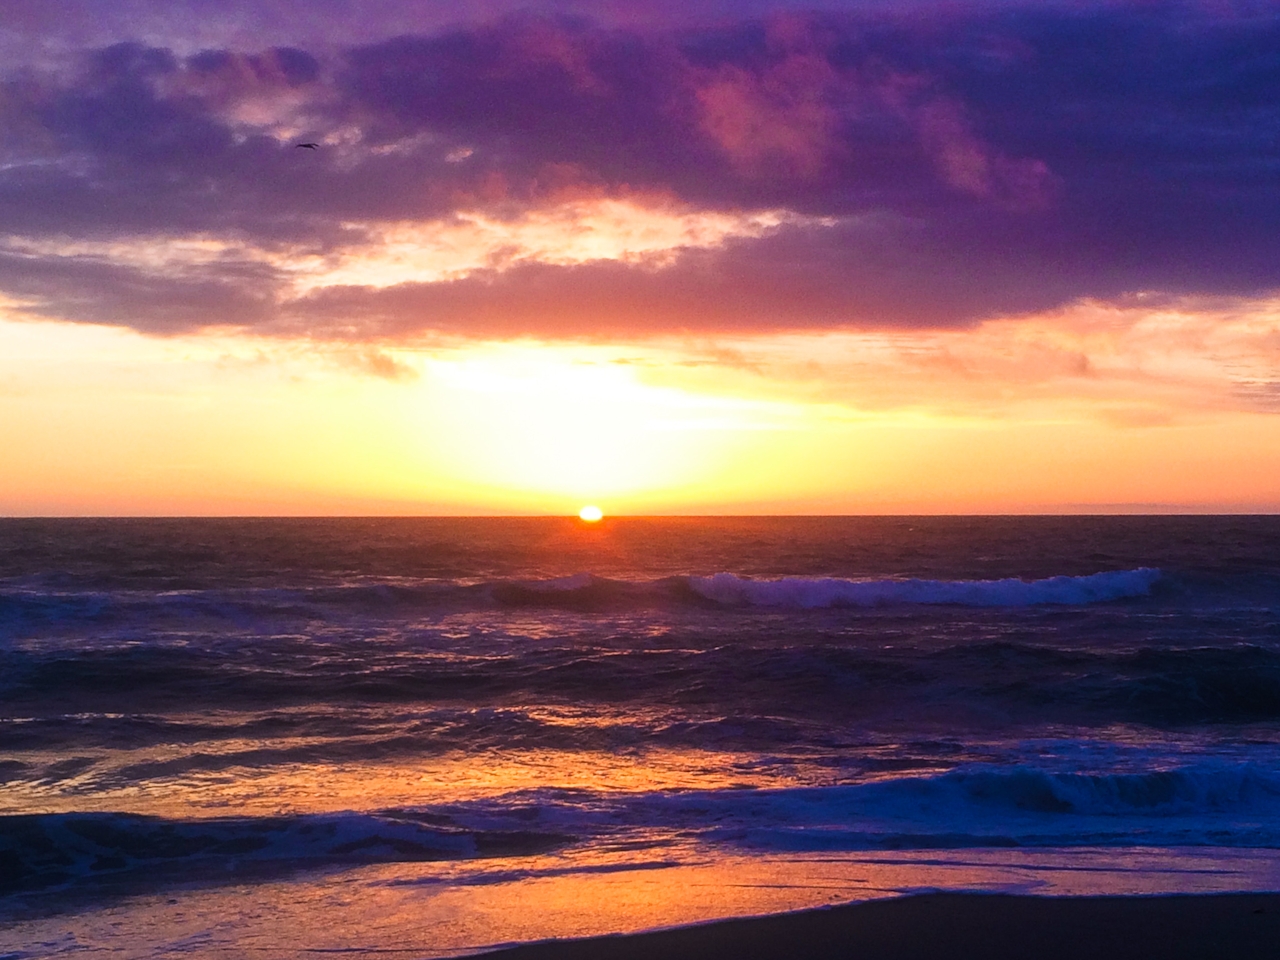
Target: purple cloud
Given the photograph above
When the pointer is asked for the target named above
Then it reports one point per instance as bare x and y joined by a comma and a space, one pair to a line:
942, 168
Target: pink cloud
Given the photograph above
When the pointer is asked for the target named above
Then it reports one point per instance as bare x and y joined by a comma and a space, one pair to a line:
971, 166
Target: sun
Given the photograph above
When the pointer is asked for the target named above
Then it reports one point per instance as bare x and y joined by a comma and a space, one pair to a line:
590, 514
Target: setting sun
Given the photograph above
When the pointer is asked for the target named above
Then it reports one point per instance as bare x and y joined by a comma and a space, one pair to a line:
591, 514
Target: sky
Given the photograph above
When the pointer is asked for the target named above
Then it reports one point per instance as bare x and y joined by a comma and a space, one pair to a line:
667, 257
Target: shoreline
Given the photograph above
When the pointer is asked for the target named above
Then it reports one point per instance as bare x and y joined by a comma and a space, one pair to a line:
952, 926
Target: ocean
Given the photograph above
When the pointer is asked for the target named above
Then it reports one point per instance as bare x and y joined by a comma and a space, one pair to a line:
426, 736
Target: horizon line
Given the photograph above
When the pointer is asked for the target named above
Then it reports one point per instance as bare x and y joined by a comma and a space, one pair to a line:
646, 516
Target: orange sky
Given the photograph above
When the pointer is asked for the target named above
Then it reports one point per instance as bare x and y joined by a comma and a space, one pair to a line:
870, 258
1091, 408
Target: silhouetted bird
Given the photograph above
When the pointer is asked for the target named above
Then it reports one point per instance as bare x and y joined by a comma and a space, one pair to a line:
308, 146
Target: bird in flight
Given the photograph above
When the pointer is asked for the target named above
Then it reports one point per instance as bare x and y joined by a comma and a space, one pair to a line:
308, 146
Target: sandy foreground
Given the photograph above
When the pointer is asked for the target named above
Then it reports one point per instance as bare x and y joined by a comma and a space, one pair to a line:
949, 925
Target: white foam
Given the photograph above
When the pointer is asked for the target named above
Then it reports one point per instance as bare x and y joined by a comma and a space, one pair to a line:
806, 593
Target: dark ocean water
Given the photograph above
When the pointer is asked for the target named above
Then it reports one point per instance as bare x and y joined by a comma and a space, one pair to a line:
202, 699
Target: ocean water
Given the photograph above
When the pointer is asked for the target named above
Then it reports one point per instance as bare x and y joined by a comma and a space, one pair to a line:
263, 737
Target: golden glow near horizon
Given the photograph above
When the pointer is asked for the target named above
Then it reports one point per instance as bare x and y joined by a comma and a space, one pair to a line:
1091, 408
591, 514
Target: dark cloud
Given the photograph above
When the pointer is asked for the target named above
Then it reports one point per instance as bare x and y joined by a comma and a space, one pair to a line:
94, 290
965, 163
33, 28
796, 278
889, 274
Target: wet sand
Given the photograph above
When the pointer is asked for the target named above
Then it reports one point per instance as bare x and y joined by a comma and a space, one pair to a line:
949, 926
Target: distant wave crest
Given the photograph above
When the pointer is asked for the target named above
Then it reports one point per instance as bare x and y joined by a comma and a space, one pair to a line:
806, 593
26, 612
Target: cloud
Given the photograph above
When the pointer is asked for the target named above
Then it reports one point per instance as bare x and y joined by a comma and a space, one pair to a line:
94, 290
1146, 362
801, 276
557, 176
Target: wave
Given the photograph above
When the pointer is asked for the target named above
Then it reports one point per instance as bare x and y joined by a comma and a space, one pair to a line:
739, 686
1205, 804
1210, 803
27, 612
52, 851
802, 593
587, 591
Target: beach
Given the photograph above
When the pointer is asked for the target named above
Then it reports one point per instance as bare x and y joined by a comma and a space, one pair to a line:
951, 926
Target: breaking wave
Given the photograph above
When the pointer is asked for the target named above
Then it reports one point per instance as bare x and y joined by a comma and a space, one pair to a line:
811, 593
44, 851
1205, 804
1208, 804
799, 592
